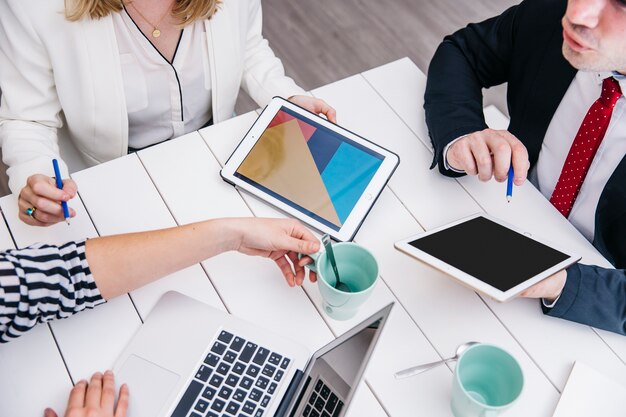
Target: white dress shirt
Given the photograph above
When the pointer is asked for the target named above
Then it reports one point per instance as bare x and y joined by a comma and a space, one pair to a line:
164, 100
582, 93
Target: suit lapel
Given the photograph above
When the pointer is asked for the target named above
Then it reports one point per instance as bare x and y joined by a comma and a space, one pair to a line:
109, 118
208, 24
612, 203
217, 26
553, 78
224, 40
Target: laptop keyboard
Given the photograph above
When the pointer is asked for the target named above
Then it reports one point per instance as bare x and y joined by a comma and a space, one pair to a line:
237, 378
322, 402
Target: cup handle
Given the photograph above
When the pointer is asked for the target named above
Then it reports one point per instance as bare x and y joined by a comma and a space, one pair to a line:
314, 256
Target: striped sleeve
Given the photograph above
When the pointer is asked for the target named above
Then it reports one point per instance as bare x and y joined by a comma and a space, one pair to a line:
41, 283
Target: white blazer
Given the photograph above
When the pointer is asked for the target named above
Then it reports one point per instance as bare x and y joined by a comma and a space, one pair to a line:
54, 71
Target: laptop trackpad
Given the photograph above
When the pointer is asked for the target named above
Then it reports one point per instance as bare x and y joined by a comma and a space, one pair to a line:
149, 385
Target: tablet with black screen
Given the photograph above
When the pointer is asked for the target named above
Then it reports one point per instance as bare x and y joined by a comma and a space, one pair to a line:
488, 255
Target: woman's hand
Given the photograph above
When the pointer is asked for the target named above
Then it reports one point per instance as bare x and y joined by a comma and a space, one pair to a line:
315, 105
42, 199
96, 399
281, 240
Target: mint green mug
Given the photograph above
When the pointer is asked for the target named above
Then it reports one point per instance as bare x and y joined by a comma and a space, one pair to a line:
357, 268
487, 380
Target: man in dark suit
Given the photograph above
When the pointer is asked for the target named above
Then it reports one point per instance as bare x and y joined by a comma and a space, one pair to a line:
564, 61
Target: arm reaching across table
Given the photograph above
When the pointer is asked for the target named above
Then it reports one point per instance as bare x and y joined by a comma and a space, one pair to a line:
45, 282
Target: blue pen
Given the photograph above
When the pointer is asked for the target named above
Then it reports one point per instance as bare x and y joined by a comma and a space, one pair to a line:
57, 174
509, 185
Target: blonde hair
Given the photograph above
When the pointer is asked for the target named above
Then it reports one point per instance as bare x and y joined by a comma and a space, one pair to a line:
186, 11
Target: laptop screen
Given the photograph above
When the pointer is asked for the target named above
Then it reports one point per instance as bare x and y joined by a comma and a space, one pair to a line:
335, 370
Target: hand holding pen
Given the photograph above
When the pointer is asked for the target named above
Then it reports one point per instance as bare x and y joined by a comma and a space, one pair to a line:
509, 184
59, 181
40, 201
489, 154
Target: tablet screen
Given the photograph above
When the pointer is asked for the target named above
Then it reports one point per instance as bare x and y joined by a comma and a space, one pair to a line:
490, 252
310, 167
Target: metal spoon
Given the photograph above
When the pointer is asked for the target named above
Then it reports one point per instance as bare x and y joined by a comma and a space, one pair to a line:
427, 366
331, 257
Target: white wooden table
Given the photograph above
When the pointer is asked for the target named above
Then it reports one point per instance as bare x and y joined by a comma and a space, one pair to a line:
178, 182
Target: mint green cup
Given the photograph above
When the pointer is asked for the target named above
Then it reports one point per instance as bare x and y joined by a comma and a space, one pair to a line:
357, 268
487, 380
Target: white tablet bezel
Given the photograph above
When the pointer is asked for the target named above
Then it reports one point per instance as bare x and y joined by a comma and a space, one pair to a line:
473, 282
363, 205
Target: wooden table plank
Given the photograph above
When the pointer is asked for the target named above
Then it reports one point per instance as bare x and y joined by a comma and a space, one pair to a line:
401, 85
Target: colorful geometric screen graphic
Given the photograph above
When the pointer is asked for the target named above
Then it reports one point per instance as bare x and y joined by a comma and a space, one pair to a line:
310, 166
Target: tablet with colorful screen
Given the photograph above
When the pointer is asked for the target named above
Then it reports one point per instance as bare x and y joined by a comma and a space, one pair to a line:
317, 171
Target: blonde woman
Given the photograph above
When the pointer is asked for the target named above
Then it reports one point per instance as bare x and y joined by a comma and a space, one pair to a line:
122, 75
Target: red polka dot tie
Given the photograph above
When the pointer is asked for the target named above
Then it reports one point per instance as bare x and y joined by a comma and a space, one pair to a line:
584, 148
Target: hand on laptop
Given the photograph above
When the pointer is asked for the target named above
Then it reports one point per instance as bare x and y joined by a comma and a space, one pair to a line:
315, 105
489, 153
95, 399
281, 240
42, 199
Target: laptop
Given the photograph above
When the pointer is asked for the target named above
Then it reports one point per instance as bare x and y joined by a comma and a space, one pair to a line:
189, 359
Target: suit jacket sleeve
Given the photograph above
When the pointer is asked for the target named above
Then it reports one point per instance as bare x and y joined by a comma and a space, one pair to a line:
467, 61
595, 296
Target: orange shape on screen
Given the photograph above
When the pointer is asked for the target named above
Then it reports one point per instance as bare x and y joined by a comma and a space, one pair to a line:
282, 162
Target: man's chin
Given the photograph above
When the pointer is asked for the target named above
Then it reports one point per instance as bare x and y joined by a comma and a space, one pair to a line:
582, 61
591, 60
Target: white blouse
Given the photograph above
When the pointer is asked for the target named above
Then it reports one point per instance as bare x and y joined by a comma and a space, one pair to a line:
163, 100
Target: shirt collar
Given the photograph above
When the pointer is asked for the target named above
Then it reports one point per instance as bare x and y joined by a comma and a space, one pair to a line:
621, 78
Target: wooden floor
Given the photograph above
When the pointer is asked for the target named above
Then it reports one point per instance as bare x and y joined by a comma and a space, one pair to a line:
321, 41
327, 40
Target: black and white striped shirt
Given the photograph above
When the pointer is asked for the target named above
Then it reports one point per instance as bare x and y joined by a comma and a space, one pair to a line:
41, 283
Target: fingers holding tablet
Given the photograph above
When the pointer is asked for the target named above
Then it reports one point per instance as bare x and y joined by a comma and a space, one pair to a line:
316, 106
549, 289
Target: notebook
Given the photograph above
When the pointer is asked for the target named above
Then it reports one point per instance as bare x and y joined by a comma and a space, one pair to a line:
591, 393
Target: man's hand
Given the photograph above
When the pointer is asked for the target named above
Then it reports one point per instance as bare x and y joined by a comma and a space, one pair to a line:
488, 154
280, 240
548, 289
96, 399
44, 198
315, 105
